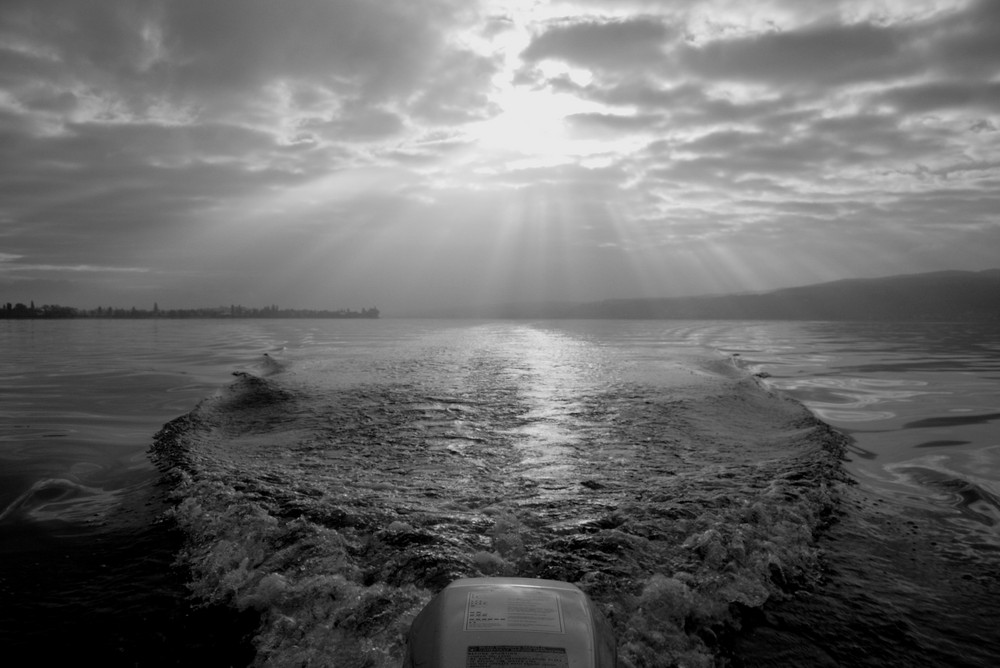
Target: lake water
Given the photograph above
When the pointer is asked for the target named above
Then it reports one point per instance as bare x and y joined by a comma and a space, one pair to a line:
573, 456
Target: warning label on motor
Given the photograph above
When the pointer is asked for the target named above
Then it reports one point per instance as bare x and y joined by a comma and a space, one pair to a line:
521, 609
516, 656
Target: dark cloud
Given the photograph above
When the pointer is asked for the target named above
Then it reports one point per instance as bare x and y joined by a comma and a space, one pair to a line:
602, 44
812, 56
967, 44
379, 48
978, 96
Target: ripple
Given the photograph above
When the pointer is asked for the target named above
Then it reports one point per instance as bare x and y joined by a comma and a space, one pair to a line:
969, 502
55, 499
952, 421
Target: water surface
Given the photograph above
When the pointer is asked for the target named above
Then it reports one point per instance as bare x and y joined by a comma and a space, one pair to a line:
563, 448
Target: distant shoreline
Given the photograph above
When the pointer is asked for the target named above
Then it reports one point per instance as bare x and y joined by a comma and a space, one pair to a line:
52, 312
943, 296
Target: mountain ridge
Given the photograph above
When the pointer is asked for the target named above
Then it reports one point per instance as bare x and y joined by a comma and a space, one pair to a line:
949, 295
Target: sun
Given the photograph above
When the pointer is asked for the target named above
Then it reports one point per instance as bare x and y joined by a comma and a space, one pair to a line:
531, 124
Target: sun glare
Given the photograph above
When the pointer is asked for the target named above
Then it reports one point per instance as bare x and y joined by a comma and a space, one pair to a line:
530, 123
534, 129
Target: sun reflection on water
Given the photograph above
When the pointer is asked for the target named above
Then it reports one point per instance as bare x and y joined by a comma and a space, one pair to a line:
552, 388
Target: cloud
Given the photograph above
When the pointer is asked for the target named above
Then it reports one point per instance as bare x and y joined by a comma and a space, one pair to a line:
147, 60
373, 124
614, 122
966, 44
602, 44
456, 90
77, 268
945, 95
812, 56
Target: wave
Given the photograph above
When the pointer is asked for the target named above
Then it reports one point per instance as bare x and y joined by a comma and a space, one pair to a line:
336, 512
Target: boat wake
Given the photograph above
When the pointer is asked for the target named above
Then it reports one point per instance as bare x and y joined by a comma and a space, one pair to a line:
335, 510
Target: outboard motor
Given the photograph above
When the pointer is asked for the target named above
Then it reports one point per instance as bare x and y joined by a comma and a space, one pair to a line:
510, 622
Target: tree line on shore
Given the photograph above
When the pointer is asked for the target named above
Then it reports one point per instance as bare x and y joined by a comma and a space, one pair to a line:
52, 311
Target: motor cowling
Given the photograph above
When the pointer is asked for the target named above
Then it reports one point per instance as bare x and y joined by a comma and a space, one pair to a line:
510, 623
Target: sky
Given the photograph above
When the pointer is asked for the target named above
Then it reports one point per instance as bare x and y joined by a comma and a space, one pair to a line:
413, 154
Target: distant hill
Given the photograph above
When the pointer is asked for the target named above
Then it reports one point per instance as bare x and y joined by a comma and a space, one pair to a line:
942, 295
